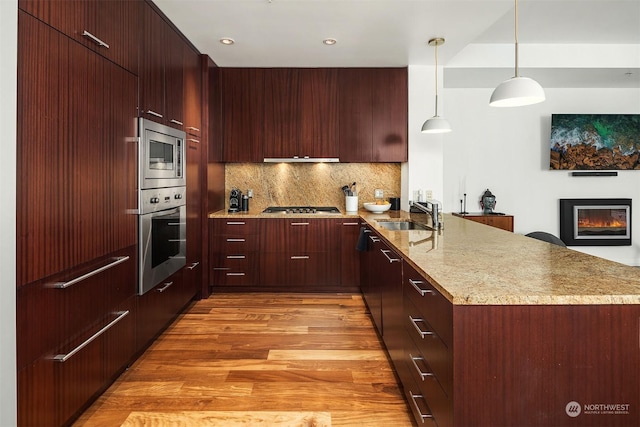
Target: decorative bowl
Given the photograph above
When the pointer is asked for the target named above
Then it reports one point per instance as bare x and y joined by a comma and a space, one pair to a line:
375, 208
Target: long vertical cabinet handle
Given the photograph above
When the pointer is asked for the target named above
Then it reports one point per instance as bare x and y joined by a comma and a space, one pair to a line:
95, 39
64, 285
65, 357
415, 403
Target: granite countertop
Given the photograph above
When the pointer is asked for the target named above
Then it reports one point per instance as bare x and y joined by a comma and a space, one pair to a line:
475, 264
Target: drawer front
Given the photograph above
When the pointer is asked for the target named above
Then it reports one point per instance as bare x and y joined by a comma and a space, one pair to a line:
232, 226
430, 345
310, 270
427, 385
55, 310
237, 244
299, 235
430, 303
232, 277
418, 404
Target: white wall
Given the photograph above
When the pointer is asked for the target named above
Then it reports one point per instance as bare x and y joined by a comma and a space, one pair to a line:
8, 86
507, 151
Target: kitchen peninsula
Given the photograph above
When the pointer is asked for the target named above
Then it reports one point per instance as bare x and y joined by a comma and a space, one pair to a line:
507, 330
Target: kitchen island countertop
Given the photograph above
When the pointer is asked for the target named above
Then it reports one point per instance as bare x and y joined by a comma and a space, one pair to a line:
475, 264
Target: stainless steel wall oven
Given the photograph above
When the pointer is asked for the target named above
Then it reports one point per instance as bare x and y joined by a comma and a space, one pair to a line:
162, 229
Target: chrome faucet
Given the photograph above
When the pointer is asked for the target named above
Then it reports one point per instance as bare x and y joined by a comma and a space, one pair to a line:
432, 208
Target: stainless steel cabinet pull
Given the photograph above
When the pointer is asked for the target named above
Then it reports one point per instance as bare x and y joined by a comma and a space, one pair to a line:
423, 375
420, 331
65, 357
193, 140
235, 257
192, 128
95, 39
236, 223
299, 223
413, 399
350, 223
63, 285
367, 231
386, 253
165, 287
235, 240
235, 274
176, 122
153, 113
374, 239
194, 265
422, 292
300, 257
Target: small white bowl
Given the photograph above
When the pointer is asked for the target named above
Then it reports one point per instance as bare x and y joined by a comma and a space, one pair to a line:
372, 207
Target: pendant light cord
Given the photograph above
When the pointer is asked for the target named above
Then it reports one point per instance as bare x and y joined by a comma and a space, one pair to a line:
516, 35
436, 79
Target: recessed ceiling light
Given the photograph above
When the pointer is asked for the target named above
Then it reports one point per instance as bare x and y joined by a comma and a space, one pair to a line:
227, 41
329, 42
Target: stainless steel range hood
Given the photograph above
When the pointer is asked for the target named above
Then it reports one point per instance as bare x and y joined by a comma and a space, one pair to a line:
304, 159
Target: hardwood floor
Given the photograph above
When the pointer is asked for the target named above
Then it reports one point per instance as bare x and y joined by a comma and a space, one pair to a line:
260, 359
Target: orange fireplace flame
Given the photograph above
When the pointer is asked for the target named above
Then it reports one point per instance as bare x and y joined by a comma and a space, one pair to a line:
601, 223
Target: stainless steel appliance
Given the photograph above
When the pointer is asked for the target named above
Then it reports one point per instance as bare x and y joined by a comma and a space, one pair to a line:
162, 229
163, 235
302, 210
161, 156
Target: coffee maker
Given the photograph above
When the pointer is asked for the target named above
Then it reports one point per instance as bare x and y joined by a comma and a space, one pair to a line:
235, 200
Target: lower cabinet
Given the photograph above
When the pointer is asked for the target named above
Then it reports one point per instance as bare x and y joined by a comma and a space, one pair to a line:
76, 334
160, 305
284, 254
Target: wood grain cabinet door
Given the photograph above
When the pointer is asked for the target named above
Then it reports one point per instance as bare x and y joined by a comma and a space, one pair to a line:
76, 153
242, 114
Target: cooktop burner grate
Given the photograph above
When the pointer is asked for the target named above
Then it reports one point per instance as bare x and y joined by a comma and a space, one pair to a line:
302, 209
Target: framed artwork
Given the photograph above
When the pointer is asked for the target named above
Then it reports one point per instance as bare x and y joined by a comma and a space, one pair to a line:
595, 142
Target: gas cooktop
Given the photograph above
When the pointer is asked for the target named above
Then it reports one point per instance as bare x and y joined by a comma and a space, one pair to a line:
302, 209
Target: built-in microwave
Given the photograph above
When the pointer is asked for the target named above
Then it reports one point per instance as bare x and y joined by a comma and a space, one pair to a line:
161, 156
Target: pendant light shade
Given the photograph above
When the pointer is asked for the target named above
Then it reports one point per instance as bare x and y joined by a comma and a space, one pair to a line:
436, 124
517, 91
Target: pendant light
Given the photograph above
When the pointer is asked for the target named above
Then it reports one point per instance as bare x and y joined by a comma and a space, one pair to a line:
436, 124
517, 90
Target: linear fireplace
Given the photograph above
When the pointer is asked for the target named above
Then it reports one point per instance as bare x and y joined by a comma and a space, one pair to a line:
595, 222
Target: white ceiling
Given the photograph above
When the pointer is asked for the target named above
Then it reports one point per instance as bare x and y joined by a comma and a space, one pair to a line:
563, 43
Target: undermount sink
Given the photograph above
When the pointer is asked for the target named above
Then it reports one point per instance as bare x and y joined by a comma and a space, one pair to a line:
403, 225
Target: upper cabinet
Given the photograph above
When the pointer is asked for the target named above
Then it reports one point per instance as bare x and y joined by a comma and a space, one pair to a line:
373, 114
110, 27
356, 115
242, 110
301, 113
192, 93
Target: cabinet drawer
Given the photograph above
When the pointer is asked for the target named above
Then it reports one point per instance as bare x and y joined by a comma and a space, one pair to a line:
427, 385
309, 270
418, 404
430, 303
229, 226
236, 244
429, 345
234, 277
51, 312
299, 235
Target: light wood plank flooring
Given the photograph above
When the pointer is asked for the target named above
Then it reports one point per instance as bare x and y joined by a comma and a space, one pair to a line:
260, 360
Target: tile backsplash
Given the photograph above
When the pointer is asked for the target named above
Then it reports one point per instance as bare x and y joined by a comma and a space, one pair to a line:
306, 184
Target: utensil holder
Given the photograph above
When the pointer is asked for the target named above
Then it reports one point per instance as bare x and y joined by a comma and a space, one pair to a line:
351, 203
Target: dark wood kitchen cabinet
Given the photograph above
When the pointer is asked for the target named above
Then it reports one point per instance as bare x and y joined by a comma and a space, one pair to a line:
301, 112
233, 249
505, 222
301, 254
75, 335
192, 93
373, 111
349, 229
194, 264
369, 284
77, 235
242, 101
76, 154
109, 27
